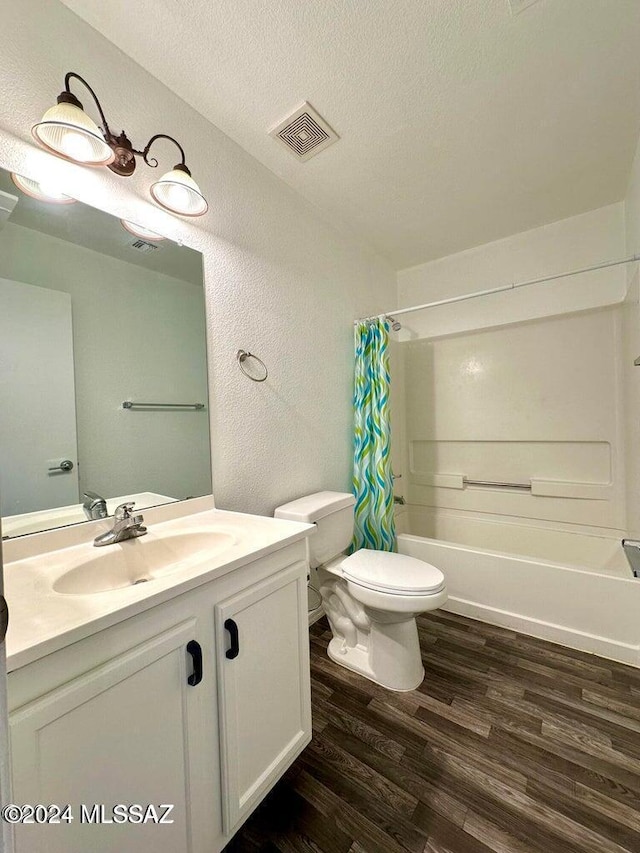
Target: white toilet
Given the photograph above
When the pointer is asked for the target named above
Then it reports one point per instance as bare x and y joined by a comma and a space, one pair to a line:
371, 598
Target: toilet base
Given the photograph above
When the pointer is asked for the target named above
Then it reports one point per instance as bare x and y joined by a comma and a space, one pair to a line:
375, 633
356, 659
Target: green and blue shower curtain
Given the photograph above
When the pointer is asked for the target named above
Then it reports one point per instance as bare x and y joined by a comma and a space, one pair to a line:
374, 525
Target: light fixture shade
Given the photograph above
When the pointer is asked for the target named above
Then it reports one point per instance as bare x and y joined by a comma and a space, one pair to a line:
178, 192
141, 231
41, 190
66, 130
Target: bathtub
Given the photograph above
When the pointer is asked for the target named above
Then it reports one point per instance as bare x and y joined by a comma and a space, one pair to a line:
573, 588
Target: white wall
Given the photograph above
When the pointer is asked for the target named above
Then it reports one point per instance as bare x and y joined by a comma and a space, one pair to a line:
137, 335
279, 280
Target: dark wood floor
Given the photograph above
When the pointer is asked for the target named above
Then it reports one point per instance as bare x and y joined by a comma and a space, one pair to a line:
511, 745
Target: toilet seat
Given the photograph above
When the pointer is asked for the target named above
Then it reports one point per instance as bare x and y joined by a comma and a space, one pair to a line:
391, 573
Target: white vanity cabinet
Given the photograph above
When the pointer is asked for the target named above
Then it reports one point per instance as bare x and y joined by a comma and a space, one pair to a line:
120, 733
263, 687
117, 718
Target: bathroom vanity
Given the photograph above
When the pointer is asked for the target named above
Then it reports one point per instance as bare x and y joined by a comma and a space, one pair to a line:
170, 670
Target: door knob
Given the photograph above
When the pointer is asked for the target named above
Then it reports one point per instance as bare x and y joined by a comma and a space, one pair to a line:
65, 465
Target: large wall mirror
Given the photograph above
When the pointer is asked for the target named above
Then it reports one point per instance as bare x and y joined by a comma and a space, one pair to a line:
96, 322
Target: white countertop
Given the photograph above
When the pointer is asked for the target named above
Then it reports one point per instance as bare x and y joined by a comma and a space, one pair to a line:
42, 621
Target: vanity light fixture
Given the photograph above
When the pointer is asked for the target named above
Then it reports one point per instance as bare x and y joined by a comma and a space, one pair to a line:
41, 190
67, 131
141, 231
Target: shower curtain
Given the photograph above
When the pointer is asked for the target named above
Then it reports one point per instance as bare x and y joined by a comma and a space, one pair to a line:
374, 525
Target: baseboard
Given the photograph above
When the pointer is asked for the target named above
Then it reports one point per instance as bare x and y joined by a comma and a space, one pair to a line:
560, 634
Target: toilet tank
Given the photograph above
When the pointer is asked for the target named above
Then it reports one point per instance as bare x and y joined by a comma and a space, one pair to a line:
332, 513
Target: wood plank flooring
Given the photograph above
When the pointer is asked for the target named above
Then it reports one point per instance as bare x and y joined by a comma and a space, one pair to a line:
510, 745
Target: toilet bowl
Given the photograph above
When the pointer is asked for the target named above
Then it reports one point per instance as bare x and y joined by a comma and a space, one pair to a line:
371, 598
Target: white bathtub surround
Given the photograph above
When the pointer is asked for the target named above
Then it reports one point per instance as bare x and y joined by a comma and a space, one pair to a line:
537, 404
576, 546
589, 611
534, 388
508, 342
371, 598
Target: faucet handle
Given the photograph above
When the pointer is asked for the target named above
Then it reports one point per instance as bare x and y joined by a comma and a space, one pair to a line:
124, 511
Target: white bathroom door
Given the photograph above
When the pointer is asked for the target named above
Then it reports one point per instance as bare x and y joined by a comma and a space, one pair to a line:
37, 399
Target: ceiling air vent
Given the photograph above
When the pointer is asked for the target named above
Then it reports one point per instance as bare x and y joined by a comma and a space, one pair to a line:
305, 133
518, 6
143, 246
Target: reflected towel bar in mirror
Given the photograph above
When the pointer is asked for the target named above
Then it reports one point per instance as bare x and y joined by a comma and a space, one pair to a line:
129, 404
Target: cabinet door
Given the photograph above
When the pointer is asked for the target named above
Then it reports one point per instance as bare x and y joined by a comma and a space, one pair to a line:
263, 687
127, 733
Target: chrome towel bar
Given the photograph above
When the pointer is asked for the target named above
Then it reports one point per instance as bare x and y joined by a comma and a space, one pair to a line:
128, 404
525, 487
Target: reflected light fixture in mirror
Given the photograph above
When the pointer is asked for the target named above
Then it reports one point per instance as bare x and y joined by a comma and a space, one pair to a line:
141, 231
67, 131
41, 190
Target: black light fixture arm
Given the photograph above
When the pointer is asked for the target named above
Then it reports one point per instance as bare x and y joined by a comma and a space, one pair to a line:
124, 161
151, 161
68, 97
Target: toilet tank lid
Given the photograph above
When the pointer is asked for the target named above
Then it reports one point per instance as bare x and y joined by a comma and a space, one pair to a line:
313, 507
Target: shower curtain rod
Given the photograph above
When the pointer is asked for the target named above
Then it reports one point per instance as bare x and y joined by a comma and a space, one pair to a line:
501, 289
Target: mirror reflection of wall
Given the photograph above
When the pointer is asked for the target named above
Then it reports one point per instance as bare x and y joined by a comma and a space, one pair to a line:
92, 316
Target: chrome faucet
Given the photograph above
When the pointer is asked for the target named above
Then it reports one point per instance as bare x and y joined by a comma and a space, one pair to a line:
94, 506
125, 526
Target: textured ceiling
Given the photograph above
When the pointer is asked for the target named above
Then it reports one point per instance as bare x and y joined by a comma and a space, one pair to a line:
460, 123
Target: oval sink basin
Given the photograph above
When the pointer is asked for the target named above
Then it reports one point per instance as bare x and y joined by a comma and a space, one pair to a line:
136, 561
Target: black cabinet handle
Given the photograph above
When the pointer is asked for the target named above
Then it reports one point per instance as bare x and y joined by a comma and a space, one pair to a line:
4, 618
232, 628
194, 649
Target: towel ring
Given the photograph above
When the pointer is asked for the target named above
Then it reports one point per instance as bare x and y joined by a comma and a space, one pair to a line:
242, 355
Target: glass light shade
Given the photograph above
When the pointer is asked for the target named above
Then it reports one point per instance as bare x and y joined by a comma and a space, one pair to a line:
141, 231
41, 190
178, 192
66, 130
